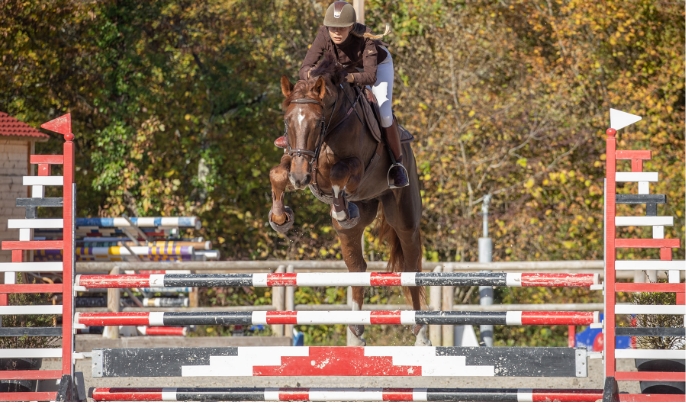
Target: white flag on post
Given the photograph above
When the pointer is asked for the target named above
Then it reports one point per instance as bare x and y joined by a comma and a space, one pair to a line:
620, 120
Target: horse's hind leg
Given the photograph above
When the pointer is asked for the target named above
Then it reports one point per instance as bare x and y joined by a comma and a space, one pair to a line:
403, 215
351, 249
422, 339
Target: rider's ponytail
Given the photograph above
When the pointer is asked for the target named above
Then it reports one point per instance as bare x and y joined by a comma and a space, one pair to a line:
360, 30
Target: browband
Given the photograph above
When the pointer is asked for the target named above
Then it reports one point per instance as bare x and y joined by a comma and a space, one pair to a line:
305, 101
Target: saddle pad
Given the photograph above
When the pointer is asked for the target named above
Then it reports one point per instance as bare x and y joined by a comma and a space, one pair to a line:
371, 114
405, 135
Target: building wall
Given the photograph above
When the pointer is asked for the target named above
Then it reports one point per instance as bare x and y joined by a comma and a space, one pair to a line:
14, 164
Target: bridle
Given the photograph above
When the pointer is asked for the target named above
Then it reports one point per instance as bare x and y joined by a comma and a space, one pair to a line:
324, 129
300, 152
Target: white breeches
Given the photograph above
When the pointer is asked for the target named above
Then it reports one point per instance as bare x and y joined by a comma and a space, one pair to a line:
383, 90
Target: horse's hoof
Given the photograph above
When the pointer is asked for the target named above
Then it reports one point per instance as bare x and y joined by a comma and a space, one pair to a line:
353, 217
420, 332
283, 228
355, 336
357, 342
356, 330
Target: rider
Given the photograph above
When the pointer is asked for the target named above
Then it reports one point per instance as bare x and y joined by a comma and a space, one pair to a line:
353, 45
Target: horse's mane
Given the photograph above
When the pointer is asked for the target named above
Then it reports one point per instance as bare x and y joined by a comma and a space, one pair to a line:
327, 69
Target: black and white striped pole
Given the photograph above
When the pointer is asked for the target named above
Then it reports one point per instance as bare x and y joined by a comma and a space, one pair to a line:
485, 256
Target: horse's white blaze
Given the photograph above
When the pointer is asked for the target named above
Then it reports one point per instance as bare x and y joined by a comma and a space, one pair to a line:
301, 117
336, 190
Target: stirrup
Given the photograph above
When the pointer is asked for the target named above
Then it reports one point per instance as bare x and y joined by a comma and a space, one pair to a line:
391, 182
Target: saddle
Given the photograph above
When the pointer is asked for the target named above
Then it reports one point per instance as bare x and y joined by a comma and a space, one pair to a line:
372, 116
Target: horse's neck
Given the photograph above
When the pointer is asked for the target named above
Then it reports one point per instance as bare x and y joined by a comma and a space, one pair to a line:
336, 113
347, 130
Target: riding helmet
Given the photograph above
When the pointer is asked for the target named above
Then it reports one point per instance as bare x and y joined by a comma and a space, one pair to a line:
340, 14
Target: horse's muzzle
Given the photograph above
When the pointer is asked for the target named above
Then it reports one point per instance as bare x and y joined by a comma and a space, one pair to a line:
300, 180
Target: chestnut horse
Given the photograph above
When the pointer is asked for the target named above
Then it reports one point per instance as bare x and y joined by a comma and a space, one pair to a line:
331, 150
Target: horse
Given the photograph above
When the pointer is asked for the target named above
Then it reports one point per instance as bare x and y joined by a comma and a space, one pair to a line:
333, 152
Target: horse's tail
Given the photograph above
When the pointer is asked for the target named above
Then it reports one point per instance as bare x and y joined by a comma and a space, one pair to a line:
396, 259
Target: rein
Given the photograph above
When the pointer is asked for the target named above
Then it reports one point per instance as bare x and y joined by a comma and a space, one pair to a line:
324, 130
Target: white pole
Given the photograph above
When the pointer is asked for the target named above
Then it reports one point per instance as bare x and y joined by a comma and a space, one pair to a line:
359, 10
486, 256
279, 302
435, 300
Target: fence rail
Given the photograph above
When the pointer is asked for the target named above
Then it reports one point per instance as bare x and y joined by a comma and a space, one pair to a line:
569, 266
283, 296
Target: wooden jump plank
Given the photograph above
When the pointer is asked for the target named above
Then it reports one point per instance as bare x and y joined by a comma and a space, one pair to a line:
31, 245
633, 154
35, 223
636, 177
641, 199
43, 180
47, 159
647, 243
631, 309
638, 221
37, 267
340, 361
650, 265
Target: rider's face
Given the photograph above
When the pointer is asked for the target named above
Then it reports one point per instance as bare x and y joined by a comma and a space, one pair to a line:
339, 34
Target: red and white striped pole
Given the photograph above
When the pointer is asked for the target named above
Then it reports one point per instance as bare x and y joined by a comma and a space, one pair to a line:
344, 394
512, 318
372, 279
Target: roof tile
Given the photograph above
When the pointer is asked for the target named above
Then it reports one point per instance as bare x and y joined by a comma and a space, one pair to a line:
10, 126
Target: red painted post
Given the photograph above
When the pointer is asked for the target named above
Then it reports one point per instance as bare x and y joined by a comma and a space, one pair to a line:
69, 193
62, 125
610, 236
571, 336
44, 170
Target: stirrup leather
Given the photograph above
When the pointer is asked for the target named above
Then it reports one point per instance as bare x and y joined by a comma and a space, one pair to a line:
391, 183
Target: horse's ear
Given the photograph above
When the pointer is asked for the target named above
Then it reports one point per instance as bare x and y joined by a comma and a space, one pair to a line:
320, 87
286, 86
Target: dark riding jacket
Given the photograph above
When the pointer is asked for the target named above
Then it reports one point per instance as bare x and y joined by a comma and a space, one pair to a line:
354, 53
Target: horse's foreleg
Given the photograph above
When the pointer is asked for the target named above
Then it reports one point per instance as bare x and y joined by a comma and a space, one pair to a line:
351, 249
280, 216
357, 331
345, 177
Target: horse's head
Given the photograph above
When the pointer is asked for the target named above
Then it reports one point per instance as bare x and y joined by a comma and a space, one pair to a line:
305, 120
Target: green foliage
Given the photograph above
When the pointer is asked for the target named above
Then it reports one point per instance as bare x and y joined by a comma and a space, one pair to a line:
176, 104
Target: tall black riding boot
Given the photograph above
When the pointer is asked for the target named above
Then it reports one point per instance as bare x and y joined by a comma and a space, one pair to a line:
397, 174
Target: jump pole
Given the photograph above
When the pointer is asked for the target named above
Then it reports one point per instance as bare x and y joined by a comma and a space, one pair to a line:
511, 318
345, 394
371, 279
